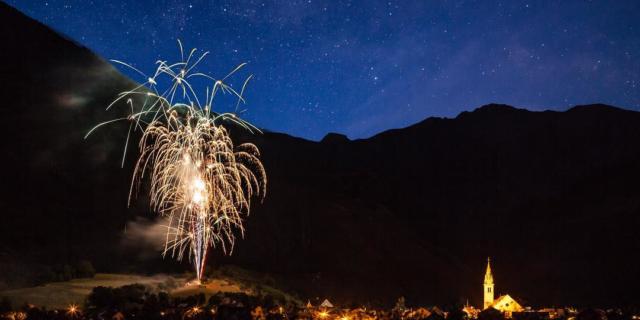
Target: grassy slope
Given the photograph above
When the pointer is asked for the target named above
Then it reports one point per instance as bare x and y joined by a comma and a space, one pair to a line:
62, 294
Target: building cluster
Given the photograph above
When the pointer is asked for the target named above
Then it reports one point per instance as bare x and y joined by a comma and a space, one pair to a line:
508, 307
133, 302
326, 311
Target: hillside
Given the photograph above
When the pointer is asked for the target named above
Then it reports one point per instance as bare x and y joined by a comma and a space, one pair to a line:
64, 293
552, 197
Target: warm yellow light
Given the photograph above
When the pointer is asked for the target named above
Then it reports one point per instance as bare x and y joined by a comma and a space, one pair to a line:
197, 197
199, 184
72, 310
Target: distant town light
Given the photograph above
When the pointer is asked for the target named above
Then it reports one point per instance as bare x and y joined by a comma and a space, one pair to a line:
72, 310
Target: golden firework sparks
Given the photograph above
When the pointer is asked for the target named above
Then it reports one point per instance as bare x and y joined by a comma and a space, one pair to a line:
198, 179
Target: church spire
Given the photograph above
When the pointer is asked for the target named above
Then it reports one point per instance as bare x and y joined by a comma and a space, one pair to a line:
488, 277
488, 286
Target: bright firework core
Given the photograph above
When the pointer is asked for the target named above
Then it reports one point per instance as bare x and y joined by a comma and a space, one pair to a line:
199, 179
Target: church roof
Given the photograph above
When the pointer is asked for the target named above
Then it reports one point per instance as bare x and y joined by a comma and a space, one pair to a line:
501, 298
506, 303
326, 304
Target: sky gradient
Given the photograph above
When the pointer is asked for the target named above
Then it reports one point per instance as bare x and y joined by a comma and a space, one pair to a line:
362, 67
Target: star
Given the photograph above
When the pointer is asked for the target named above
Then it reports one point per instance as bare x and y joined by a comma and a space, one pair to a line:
425, 51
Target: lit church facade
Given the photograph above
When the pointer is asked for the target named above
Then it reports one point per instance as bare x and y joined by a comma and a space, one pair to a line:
504, 303
507, 305
488, 286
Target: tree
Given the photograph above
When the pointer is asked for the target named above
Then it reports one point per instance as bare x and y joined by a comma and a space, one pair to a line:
36, 314
101, 298
45, 274
164, 300
267, 301
151, 308
457, 314
132, 293
490, 314
201, 298
591, 314
216, 299
84, 269
64, 273
5, 305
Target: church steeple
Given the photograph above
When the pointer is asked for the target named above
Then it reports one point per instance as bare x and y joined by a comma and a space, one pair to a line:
488, 286
488, 277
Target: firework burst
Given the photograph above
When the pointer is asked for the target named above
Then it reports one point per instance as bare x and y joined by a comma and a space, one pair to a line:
198, 179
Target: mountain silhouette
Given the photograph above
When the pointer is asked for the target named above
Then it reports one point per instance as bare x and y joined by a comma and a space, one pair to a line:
552, 197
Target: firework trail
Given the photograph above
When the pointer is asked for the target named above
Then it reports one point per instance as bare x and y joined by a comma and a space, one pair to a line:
198, 179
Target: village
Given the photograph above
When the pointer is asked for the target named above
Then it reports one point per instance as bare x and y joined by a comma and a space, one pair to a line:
136, 302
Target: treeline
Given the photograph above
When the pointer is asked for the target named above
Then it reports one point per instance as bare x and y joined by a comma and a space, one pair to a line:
143, 302
17, 274
66, 272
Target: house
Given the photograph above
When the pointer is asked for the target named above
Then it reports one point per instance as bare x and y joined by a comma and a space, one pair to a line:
326, 304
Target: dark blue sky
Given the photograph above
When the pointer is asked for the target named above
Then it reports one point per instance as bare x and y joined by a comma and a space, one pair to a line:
361, 67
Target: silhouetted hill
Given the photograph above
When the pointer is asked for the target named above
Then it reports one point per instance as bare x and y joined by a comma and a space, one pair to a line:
59, 192
334, 138
553, 197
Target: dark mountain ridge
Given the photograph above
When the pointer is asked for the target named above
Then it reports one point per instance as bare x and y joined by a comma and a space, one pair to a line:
552, 197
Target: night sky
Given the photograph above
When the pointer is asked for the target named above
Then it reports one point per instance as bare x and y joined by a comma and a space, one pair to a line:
361, 67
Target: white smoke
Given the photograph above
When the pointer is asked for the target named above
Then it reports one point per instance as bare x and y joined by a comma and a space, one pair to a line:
145, 236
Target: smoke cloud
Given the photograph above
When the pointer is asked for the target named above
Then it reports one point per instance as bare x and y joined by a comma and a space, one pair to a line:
145, 236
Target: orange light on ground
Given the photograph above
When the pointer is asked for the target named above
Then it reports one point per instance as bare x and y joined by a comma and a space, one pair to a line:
73, 310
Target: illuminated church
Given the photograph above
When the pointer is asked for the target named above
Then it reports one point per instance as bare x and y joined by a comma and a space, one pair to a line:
504, 303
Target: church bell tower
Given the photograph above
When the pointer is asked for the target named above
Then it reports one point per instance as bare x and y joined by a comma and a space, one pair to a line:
488, 286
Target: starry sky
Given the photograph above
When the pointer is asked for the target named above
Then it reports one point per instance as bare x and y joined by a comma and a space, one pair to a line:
362, 67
